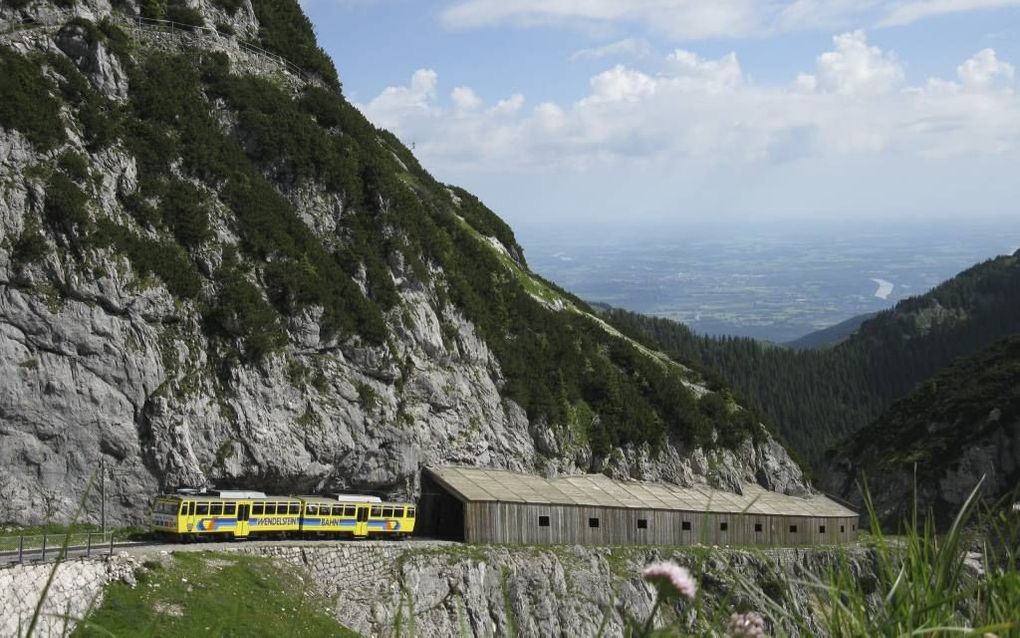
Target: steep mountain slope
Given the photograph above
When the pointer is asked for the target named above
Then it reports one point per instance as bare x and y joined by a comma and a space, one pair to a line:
815, 398
213, 269
832, 335
958, 426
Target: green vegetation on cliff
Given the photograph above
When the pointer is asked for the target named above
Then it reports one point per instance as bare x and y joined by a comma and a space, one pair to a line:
959, 425
232, 168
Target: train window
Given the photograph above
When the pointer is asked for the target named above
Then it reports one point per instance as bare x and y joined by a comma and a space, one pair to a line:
593, 522
184, 508
642, 523
410, 512
191, 508
216, 509
757, 527
295, 508
793, 529
203, 509
229, 509
257, 509
821, 529
685, 526
398, 512
348, 510
387, 512
723, 526
338, 510
271, 509
312, 509
376, 510
543, 521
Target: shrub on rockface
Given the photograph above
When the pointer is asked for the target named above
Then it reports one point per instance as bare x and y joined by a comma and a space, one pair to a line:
285, 29
27, 101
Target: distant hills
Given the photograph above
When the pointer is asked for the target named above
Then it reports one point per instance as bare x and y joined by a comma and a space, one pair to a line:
958, 426
832, 335
817, 397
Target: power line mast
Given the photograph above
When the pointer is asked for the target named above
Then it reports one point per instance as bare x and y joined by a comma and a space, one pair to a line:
102, 493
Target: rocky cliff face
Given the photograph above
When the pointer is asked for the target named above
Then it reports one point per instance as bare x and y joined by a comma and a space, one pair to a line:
156, 318
456, 590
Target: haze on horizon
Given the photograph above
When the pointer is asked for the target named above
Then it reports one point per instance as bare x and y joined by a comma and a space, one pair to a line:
642, 111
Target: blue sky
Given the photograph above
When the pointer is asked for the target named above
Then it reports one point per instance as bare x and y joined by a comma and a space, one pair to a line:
635, 111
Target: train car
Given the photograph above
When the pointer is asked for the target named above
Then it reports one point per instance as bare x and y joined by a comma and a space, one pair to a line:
222, 514
357, 516
236, 514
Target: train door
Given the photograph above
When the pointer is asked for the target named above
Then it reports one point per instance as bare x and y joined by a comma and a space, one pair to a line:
361, 526
243, 514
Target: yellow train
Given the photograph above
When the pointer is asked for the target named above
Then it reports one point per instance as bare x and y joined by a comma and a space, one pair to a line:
191, 514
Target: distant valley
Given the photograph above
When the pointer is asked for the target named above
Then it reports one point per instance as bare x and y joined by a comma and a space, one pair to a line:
774, 282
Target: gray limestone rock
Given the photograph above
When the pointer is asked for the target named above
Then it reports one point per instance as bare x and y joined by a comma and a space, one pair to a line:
101, 366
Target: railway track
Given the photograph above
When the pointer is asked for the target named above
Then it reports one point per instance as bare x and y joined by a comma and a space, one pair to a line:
142, 548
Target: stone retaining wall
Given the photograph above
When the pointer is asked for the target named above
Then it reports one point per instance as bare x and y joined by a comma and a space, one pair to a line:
77, 585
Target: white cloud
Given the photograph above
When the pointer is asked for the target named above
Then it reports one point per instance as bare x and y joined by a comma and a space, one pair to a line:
465, 99
855, 68
678, 18
696, 19
984, 70
687, 116
714, 74
620, 84
901, 13
396, 103
628, 47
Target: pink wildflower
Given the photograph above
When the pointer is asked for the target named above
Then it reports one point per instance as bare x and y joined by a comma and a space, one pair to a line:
749, 625
670, 578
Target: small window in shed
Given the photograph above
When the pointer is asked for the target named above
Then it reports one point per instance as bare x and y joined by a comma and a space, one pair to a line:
543, 521
757, 527
821, 529
685, 526
642, 523
842, 529
853, 527
793, 529
723, 526
593, 522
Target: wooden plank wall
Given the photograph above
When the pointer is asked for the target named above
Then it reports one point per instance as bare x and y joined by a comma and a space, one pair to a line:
518, 524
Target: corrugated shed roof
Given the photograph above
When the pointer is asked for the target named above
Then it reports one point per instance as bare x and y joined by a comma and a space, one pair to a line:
486, 484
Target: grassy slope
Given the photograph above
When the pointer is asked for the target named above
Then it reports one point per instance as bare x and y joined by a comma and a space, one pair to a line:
210, 594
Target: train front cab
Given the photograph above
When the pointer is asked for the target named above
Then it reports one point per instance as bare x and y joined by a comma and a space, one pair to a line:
200, 516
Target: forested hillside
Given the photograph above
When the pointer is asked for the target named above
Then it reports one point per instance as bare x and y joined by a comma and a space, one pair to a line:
815, 398
960, 425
